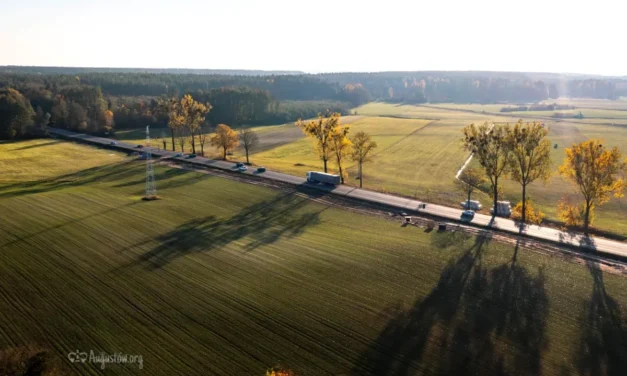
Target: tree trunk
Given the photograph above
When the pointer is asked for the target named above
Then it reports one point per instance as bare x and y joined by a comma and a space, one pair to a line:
586, 218
524, 204
496, 195
361, 176
468, 201
325, 164
224, 154
339, 165
247, 162
193, 142
164, 144
173, 143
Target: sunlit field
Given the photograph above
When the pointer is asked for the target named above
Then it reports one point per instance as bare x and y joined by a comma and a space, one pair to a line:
420, 150
222, 277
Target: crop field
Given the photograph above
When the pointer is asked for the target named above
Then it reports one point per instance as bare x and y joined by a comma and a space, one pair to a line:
222, 277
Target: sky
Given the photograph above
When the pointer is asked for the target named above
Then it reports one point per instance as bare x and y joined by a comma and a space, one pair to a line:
318, 36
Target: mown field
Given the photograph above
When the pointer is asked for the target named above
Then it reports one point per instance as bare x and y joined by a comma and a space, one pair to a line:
221, 277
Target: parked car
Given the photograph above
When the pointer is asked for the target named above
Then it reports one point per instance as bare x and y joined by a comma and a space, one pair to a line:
191, 156
139, 146
261, 169
178, 155
239, 164
242, 168
467, 216
113, 143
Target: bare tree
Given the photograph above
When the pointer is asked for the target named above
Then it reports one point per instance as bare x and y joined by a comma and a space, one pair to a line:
249, 139
181, 137
203, 137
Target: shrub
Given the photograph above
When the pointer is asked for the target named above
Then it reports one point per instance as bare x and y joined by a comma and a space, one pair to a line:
572, 214
532, 215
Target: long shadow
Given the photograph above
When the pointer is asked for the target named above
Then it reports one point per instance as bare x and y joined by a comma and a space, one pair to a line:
37, 145
460, 320
602, 348
261, 224
110, 172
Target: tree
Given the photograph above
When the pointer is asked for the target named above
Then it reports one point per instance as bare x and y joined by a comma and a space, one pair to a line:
487, 144
16, 114
530, 153
225, 138
162, 139
181, 137
203, 135
362, 147
77, 117
321, 131
172, 107
192, 116
469, 180
340, 147
596, 172
249, 139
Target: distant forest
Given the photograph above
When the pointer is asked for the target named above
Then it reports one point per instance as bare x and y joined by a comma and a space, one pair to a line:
85, 98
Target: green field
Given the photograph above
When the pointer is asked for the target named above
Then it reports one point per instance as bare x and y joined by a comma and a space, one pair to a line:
221, 277
420, 150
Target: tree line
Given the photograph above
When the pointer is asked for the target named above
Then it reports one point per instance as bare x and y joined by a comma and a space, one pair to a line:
522, 152
353, 88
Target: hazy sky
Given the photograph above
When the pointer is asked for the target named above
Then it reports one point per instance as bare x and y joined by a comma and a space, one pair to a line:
318, 36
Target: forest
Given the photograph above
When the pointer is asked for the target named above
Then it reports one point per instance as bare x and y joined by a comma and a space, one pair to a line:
99, 100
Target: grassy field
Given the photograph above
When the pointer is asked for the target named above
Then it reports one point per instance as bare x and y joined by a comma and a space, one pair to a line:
270, 136
221, 277
420, 150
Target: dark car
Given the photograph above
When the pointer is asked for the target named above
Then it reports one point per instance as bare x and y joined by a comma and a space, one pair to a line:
139, 146
239, 164
467, 216
261, 169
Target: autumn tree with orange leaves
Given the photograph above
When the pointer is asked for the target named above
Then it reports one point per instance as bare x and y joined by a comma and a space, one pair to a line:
225, 138
596, 171
322, 131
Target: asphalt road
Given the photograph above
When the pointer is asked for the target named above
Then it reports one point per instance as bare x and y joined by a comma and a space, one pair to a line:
600, 245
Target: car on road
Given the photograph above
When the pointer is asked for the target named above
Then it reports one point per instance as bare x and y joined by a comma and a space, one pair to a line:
467, 216
178, 155
191, 156
139, 146
242, 168
239, 164
261, 169
113, 143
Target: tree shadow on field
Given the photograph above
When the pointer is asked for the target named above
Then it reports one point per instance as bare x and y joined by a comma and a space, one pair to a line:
602, 348
453, 330
53, 142
109, 172
262, 223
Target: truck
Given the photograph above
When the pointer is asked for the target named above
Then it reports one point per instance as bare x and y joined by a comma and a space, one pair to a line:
323, 177
471, 205
504, 209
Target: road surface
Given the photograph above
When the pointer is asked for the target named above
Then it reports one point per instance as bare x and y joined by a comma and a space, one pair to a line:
600, 245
